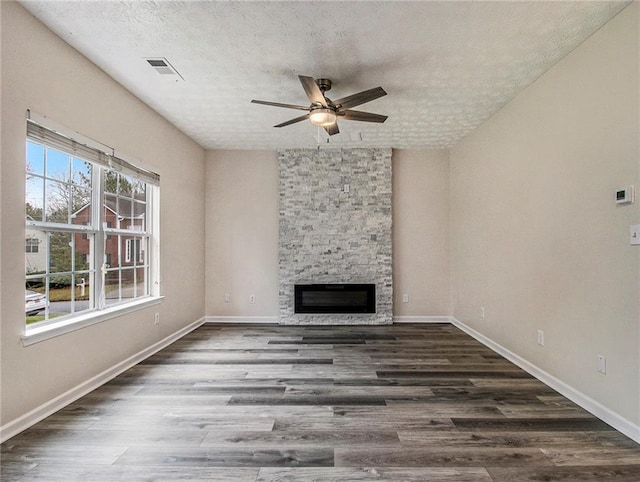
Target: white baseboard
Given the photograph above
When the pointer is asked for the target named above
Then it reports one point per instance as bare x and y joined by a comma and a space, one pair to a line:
242, 319
618, 422
422, 319
29, 419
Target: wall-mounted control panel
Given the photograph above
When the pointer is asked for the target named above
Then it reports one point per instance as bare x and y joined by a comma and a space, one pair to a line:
625, 195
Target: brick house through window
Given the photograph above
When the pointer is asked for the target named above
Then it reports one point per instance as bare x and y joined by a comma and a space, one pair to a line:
121, 250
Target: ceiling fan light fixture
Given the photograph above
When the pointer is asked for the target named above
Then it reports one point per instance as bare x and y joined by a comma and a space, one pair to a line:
323, 112
323, 117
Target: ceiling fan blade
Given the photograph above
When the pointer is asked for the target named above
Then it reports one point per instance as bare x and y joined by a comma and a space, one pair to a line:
278, 104
332, 129
360, 98
313, 91
356, 115
293, 121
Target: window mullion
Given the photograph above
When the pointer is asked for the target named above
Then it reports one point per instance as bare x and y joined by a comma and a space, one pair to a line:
45, 184
73, 273
68, 228
99, 239
153, 247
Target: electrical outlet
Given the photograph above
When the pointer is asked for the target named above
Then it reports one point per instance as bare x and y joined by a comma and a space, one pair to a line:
156, 319
252, 298
602, 364
405, 298
540, 337
483, 313
346, 188
227, 298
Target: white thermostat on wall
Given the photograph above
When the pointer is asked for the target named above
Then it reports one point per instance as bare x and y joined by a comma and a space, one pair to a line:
625, 195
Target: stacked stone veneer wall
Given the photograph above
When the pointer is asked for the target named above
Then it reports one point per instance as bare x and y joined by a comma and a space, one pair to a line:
328, 235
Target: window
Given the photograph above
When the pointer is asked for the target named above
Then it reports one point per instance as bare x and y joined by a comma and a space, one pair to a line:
32, 245
92, 215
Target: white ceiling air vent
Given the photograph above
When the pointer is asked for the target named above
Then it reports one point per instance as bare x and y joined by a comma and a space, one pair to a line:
164, 68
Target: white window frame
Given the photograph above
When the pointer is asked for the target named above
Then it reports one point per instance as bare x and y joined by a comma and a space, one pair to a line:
98, 230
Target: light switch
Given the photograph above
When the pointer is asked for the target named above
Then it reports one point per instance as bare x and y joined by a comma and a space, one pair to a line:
635, 234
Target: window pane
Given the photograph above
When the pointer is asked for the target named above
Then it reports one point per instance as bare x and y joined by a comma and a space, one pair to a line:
35, 158
139, 212
109, 216
112, 287
83, 246
139, 190
36, 248
60, 292
128, 284
35, 300
60, 252
117, 183
141, 282
111, 251
80, 205
58, 198
82, 288
81, 172
34, 198
125, 186
110, 182
142, 251
58, 165
125, 212
82, 216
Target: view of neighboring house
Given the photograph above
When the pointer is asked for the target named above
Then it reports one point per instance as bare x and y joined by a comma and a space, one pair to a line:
35, 251
121, 251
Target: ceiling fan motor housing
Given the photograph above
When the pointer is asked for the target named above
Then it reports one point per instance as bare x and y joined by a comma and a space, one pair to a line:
324, 84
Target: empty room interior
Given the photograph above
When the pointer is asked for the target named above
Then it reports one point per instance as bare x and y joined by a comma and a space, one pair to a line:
320, 240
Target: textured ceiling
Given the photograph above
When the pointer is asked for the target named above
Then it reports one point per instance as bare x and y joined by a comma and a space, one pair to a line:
446, 66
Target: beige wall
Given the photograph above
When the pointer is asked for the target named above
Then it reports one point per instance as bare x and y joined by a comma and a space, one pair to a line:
536, 236
242, 233
42, 73
421, 263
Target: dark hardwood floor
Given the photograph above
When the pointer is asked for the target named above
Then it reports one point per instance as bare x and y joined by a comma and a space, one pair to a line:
265, 403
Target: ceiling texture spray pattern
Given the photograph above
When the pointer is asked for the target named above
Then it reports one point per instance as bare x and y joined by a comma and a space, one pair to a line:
446, 66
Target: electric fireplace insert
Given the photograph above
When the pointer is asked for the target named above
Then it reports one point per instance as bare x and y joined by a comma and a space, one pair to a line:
335, 298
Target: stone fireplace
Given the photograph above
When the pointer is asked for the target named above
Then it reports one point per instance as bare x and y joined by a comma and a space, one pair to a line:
335, 229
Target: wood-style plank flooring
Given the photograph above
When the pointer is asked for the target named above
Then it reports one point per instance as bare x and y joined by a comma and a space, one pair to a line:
266, 403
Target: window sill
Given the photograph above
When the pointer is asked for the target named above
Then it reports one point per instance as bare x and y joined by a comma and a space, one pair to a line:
42, 333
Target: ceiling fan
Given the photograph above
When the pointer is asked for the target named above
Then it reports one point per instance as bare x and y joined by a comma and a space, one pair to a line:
324, 112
